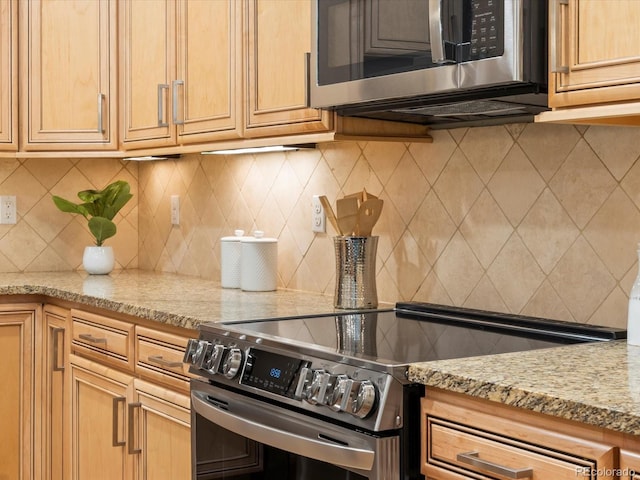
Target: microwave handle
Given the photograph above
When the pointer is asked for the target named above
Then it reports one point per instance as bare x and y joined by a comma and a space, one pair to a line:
435, 32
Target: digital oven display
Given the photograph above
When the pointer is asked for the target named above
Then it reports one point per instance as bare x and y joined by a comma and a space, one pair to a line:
271, 372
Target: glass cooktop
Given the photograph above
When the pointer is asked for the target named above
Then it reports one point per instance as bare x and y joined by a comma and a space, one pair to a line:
418, 332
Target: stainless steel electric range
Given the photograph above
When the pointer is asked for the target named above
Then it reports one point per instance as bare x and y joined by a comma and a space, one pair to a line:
321, 397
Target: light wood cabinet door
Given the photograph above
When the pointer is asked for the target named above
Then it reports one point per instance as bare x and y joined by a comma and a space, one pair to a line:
180, 71
278, 37
161, 434
598, 44
68, 86
8, 75
99, 443
147, 63
17, 373
207, 92
55, 451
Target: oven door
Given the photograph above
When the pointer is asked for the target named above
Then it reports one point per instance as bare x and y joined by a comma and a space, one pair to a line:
238, 437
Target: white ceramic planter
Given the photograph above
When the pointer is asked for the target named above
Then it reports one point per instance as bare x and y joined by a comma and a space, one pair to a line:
98, 260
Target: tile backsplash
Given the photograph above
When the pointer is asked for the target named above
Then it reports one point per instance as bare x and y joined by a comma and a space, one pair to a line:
45, 239
526, 218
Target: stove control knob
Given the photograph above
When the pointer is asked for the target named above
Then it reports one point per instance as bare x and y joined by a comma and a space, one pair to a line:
315, 392
202, 350
215, 359
304, 383
364, 399
232, 363
329, 389
340, 393
190, 351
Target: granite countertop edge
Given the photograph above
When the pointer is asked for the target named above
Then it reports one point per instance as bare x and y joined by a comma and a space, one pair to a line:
169, 298
524, 381
103, 303
610, 419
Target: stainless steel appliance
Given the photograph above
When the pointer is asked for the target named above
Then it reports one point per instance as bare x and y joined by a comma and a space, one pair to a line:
327, 397
438, 62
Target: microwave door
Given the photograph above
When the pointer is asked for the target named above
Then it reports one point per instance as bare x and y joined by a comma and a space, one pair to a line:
372, 50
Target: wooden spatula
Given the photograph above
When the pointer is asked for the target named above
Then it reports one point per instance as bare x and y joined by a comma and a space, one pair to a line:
368, 215
347, 214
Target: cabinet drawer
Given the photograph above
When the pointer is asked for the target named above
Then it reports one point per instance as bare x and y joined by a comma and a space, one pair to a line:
103, 338
465, 437
159, 357
629, 465
461, 449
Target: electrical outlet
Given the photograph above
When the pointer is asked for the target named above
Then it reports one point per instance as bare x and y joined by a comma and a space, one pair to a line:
175, 209
8, 209
318, 216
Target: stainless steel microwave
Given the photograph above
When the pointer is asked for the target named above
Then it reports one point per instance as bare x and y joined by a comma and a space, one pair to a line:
439, 62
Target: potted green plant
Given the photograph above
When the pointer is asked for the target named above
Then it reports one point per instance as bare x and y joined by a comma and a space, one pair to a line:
99, 207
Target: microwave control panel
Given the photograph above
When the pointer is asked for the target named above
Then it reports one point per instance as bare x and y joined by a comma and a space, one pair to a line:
486, 30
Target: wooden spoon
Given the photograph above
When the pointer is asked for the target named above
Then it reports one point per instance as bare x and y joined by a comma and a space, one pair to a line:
347, 214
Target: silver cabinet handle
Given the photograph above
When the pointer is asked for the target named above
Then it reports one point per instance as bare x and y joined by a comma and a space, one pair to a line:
554, 25
55, 333
435, 32
174, 94
101, 98
116, 402
159, 360
131, 426
471, 458
161, 88
91, 339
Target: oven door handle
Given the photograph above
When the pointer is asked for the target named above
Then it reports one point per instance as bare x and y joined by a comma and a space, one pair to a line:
257, 429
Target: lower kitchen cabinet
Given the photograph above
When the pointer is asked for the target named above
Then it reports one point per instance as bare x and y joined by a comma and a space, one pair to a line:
53, 343
467, 438
17, 323
126, 428
130, 406
629, 465
160, 433
99, 397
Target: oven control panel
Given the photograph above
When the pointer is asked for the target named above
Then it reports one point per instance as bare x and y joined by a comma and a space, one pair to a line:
303, 380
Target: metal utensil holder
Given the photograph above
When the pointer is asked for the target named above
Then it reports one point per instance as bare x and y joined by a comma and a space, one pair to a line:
355, 272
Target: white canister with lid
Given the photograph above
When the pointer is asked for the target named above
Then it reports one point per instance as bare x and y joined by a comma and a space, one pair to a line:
259, 263
230, 251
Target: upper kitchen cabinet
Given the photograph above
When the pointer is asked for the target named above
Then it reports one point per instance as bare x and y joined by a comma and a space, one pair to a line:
180, 71
594, 62
68, 75
8, 75
278, 35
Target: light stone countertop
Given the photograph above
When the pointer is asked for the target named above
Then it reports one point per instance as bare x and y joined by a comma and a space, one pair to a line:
168, 298
597, 384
